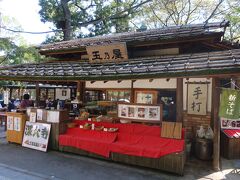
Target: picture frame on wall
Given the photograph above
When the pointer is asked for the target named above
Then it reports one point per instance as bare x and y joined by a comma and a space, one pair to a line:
140, 112
64, 92
146, 97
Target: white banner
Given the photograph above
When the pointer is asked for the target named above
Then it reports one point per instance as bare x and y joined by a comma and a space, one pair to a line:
36, 136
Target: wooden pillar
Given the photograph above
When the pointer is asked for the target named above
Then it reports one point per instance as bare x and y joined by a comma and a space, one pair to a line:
37, 94
132, 92
81, 90
179, 103
216, 123
10, 93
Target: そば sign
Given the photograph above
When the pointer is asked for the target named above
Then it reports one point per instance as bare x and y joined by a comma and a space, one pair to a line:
36, 136
230, 104
107, 53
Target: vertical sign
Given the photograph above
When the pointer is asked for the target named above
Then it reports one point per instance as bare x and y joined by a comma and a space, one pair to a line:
6, 97
17, 124
9, 122
32, 117
107, 53
197, 99
230, 104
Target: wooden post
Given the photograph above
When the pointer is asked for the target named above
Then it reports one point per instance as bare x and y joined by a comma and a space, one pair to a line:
132, 92
80, 90
216, 123
179, 95
37, 94
10, 94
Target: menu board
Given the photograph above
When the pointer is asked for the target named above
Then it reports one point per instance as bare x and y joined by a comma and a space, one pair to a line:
140, 112
9, 122
17, 124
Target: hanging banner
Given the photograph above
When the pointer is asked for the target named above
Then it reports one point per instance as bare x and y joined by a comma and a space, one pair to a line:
230, 123
230, 104
36, 136
197, 99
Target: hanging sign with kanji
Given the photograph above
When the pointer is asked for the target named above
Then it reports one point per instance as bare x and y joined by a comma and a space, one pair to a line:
197, 99
230, 104
36, 136
107, 53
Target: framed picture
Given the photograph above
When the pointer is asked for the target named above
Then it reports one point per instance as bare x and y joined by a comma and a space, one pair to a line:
64, 92
140, 112
146, 97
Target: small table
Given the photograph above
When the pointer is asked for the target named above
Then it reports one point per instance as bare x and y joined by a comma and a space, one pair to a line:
3, 120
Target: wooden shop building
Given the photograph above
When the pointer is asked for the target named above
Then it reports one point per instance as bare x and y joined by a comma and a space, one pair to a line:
179, 68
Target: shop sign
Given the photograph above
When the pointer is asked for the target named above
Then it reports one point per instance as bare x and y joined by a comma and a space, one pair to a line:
36, 136
230, 104
230, 123
107, 53
197, 99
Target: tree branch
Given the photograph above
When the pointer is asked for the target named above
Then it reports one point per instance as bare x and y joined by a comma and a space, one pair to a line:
214, 11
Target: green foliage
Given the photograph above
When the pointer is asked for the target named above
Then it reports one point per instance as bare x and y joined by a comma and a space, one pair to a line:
89, 17
234, 17
14, 54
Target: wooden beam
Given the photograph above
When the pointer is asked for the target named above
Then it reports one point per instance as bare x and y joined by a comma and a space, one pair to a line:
179, 95
216, 123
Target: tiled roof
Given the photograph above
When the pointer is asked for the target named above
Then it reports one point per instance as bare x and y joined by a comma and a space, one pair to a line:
167, 33
185, 65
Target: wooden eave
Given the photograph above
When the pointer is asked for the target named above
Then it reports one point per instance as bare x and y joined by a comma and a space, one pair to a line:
216, 36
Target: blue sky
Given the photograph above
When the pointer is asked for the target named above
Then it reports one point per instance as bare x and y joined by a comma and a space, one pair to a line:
26, 13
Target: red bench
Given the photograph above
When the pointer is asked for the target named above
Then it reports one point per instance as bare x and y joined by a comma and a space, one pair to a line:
140, 142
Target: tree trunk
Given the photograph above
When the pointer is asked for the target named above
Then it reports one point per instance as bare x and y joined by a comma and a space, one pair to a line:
67, 30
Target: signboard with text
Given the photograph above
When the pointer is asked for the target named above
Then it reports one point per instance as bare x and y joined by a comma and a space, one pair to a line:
230, 104
36, 136
197, 99
107, 53
230, 123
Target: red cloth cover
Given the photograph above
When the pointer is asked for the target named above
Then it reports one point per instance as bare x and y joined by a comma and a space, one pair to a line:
146, 146
131, 139
232, 133
92, 141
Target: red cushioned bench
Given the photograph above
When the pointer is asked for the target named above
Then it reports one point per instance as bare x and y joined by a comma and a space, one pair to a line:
135, 144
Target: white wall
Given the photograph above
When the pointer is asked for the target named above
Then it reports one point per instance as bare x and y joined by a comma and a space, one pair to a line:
109, 84
59, 94
155, 84
209, 100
